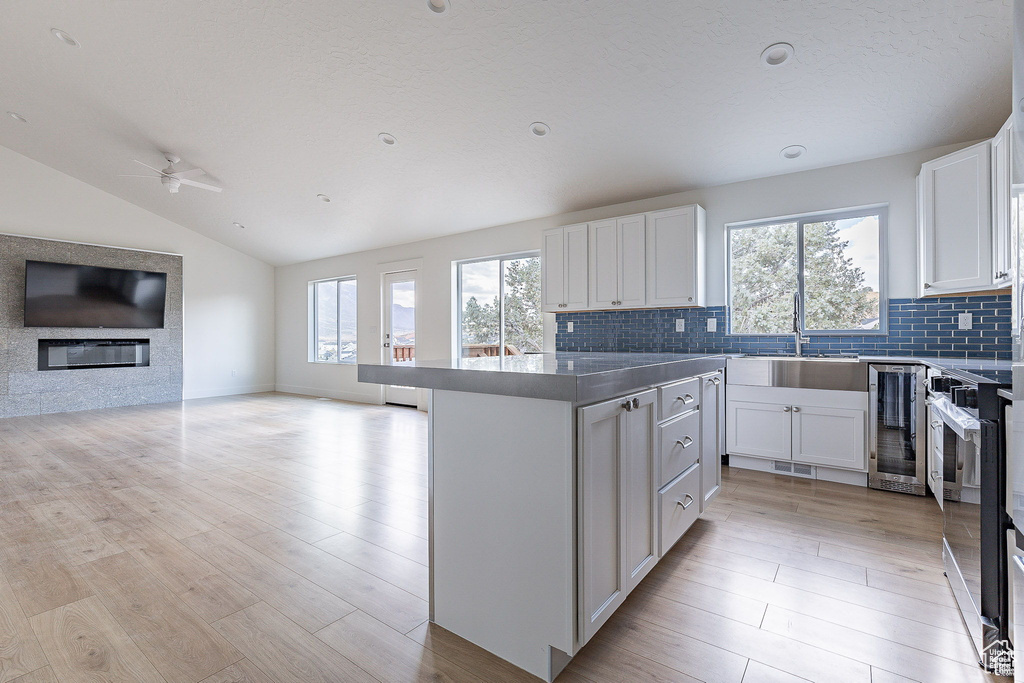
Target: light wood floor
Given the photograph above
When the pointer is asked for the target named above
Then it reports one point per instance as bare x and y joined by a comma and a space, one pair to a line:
278, 538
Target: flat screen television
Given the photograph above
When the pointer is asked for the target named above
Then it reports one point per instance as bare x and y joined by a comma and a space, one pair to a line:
68, 295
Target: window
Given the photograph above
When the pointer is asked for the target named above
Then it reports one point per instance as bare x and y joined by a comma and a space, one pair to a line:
499, 306
832, 260
333, 324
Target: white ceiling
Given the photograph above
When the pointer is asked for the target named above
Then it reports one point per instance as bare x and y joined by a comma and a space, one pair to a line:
279, 101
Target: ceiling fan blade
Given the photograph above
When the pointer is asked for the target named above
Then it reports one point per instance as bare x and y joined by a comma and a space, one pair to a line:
149, 167
191, 173
212, 188
126, 175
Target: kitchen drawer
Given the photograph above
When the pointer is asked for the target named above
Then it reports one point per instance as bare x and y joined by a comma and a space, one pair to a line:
678, 398
679, 507
679, 441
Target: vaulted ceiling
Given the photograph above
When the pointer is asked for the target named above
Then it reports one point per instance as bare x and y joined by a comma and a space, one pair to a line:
280, 101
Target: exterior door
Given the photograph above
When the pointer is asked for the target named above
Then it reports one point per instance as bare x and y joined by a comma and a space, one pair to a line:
400, 331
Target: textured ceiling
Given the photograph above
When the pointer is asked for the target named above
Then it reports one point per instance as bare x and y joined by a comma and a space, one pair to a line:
279, 101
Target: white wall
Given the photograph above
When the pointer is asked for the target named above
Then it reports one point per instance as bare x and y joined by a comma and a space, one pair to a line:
228, 296
888, 180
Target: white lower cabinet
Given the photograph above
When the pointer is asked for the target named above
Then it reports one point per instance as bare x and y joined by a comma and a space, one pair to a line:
832, 437
642, 482
809, 426
679, 506
616, 474
762, 429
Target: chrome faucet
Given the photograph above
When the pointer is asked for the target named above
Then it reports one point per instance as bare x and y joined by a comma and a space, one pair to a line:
798, 333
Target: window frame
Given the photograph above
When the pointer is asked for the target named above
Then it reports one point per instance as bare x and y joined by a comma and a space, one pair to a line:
881, 210
314, 322
501, 258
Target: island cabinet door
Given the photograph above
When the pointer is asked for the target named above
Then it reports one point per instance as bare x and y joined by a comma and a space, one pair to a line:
616, 501
712, 413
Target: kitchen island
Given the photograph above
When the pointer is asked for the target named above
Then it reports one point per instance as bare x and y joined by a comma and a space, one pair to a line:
557, 482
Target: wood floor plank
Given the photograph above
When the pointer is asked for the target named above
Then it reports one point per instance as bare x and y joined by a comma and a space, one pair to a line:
602, 660
388, 655
200, 585
284, 651
870, 649
19, 650
183, 647
395, 607
84, 643
469, 656
762, 673
397, 541
169, 516
81, 539
785, 654
41, 575
242, 671
397, 570
44, 675
295, 596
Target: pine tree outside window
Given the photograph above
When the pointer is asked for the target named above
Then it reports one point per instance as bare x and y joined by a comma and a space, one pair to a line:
834, 260
499, 306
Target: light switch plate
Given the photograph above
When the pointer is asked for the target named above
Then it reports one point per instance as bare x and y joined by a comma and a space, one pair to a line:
712, 324
966, 321
568, 326
680, 325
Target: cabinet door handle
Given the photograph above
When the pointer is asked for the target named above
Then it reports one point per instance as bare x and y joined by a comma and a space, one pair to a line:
936, 423
628, 405
796, 409
685, 399
1001, 275
686, 442
716, 381
927, 285
786, 409
936, 475
636, 403
686, 502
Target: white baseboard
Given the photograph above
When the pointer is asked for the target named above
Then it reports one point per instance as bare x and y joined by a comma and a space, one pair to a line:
328, 393
228, 391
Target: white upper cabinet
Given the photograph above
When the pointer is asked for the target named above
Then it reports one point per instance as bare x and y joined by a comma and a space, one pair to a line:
675, 263
564, 268
643, 260
618, 263
955, 222
1002, 259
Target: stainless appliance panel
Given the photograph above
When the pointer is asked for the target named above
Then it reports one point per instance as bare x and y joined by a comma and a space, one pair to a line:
897, 425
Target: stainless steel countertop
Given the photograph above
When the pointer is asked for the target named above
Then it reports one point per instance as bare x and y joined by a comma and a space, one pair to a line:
561, 376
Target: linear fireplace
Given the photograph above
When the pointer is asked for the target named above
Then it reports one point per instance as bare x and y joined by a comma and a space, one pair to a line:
83, 354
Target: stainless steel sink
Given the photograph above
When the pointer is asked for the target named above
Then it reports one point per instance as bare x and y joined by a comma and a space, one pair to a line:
799, 372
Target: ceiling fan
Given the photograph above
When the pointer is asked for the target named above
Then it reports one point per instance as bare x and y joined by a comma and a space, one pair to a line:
172, 179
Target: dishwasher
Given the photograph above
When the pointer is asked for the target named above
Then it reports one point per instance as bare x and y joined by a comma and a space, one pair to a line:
896, 396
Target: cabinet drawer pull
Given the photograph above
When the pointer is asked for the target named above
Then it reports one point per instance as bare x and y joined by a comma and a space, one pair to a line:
686, 502
685, 399
716, 381
686, 442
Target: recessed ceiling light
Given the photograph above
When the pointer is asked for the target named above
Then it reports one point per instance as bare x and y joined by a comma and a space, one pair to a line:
793, 151
438, 6
323, 198
17, 117
777, 54
539, 129
238, 225
64, 37
387, 138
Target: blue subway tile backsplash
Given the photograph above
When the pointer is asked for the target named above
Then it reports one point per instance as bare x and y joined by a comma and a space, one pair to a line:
919, 327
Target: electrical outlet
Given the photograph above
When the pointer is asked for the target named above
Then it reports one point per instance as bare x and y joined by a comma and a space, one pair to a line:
712, 324
568, 326
234, 372
966, 321
680, 325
